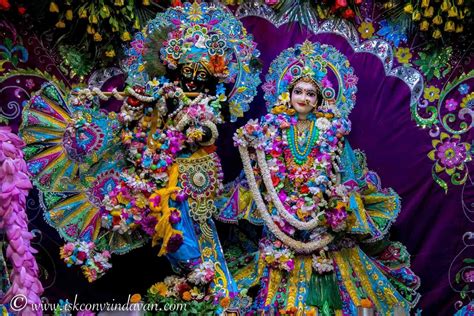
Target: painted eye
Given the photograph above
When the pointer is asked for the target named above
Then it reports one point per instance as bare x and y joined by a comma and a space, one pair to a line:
202, 75
297, 91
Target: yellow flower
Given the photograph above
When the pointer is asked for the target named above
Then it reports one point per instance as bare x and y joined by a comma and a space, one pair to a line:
388, 5
445, 5
437, 20
125, 36
436, 34
460, 2
159, 288
408, 8
424, 25
284, 97
403, 55
425, 3
195, 292
53, 7
93, 19
146, 2
416, 16
449, 26
269, 259
428, 12
136, 24
279, 109
431, 93
60, 24
111, 53
459, 28
468, 99
90, 29
69, 15
366, 30
120, 198
106, 11
82, 13
141, 201
453, 12
119, 3
97, 37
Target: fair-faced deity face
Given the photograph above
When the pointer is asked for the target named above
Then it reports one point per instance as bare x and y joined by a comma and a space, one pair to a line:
304, 98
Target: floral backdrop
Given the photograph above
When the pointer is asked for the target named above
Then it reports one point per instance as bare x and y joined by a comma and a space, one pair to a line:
413, 118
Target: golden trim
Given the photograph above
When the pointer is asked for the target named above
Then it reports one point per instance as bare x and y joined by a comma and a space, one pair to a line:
346, 278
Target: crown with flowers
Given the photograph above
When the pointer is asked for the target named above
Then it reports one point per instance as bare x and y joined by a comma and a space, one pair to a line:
204, 33
197, 44
312, 61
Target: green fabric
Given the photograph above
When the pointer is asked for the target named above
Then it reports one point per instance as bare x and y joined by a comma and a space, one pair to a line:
324, 293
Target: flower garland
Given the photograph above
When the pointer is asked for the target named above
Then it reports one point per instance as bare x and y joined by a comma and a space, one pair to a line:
276, 255
300, 247
190, 289
93, 264
13, 219
315, 187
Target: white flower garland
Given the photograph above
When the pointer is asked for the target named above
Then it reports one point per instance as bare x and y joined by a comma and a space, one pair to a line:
298, 246
214, 133
276, 200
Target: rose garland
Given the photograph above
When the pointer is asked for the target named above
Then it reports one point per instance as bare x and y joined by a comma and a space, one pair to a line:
13, 219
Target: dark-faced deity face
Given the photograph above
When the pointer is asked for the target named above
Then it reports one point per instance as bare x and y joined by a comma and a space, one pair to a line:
194, 77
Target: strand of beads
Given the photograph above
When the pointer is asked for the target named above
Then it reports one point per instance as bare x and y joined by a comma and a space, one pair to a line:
301, 156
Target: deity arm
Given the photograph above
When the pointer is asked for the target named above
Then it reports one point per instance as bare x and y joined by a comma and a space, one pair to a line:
372, 209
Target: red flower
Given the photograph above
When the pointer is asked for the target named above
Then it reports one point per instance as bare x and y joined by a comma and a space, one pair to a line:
176, 3
304, 189
4, 5
275, 180
340, 4
21, 10
348, 14
183, 287
358, 2
81, 255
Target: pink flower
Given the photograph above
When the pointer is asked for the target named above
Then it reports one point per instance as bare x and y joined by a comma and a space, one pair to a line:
14, 189
451, 105
271, 2
290, 264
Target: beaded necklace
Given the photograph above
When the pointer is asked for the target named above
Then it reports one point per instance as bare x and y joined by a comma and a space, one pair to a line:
300, 155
